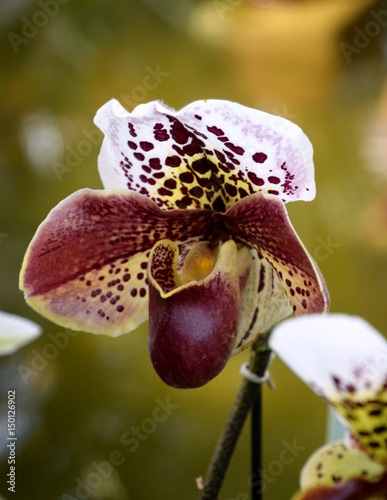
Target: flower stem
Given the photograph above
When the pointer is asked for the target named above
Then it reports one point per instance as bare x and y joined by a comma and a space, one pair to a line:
248, 393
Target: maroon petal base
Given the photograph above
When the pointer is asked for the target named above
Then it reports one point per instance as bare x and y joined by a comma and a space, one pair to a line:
192, 328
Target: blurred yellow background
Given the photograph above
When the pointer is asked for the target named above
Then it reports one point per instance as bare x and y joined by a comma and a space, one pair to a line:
320, 63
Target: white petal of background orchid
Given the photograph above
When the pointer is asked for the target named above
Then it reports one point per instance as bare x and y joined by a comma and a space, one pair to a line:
344, 360
15, 332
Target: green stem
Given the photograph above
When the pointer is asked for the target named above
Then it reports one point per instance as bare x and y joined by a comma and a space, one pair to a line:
260, 356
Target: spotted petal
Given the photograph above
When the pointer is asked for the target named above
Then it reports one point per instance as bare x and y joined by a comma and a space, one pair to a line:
264, 302
86, 266
261, 221
335, 472
15, 332
344, 360
209, 154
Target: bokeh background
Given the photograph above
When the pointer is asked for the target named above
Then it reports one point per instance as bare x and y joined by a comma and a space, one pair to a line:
320, 63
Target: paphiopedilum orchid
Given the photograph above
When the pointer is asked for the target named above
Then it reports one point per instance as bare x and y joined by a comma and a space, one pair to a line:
15, 332
190, 231
344, 360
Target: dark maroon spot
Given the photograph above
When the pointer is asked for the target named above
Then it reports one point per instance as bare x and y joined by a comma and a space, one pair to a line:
155, 163
236, 149
220, 156
146, 146
261, 285
259, 157
255, 179
139, 156
198, 117
274, 180
288, 282
243, 193
88, 283
146, 169
303, 303
102, 298
109, 294
170, 184
184, 202
186, 177
161, 135
191, 149
142, 292
132, 145
159, 175
219, 205
164, 192
101, 313
179, 133
120, 308
202, 166
215, 130
173, 161
140, 276
101, 278
133, 292
143, 178
126, 277
144, 265
120, 287
273, 191
131, 130
231, 189
196, 191
94, 293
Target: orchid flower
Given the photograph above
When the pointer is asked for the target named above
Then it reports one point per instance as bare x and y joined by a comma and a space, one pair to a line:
191, 231
15, 332
344, 360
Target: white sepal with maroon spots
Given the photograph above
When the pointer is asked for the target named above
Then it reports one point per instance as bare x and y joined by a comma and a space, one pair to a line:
344, 360
210, 154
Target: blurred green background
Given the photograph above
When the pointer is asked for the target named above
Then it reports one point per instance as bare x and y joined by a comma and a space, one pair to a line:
320, 63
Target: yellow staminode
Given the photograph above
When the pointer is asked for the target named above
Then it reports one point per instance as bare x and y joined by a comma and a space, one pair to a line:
199, 262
